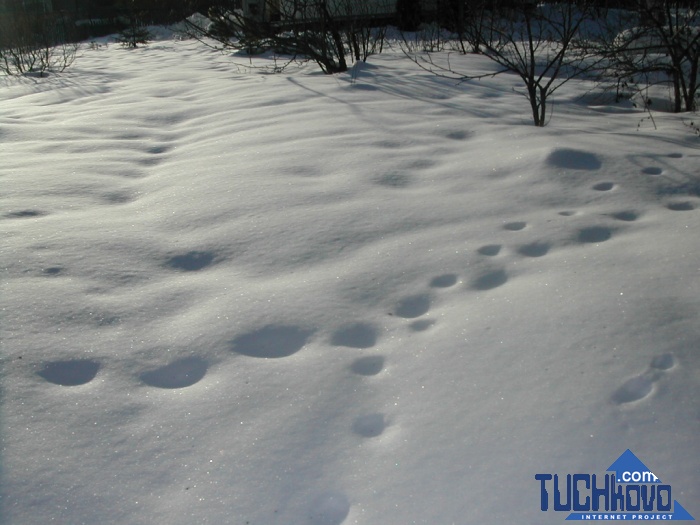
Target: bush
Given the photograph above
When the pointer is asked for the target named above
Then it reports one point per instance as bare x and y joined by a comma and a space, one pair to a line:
35, 43
135, 32
134, 35
657, 42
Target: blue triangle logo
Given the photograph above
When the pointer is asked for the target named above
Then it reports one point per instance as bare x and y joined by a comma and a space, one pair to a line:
628, 468
679, 513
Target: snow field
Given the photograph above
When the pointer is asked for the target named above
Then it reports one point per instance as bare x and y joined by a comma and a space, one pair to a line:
378, 297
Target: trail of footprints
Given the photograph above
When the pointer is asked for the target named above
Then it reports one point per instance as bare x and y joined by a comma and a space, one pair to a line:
132, 158
275, 341
278, 341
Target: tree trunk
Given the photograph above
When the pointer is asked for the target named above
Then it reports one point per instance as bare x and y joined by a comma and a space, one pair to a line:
534, 105
330, 26
692, 88
355, 45
677, 98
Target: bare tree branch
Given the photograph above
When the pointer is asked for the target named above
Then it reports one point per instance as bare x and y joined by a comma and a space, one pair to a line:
538, 43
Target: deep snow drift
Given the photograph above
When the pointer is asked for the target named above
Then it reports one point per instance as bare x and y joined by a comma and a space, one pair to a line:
372, 298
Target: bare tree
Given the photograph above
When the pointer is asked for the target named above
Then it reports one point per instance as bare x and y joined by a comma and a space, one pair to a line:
536, 42
658, 40
35, 42
365, 25
468, 21
323, 31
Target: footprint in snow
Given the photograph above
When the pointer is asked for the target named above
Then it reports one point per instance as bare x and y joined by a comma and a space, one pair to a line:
642, 386
444, 281
534, 249
652, 170
574, 159
604, 186
634, 389
73, 372
680, 206
371, 425
271, 341
515, 226
159, 149
118, 198
178, 374
457, 135
594, 234
413, 306
490, 250
490, 280
191, 261
329, 508
369, 365
663, 362
25, 214
356, 335
627, 216
421, 325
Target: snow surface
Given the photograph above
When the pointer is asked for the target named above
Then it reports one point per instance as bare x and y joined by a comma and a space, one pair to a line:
380, 297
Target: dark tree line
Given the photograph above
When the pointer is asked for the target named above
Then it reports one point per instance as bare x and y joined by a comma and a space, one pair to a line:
328, 32
545, 43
